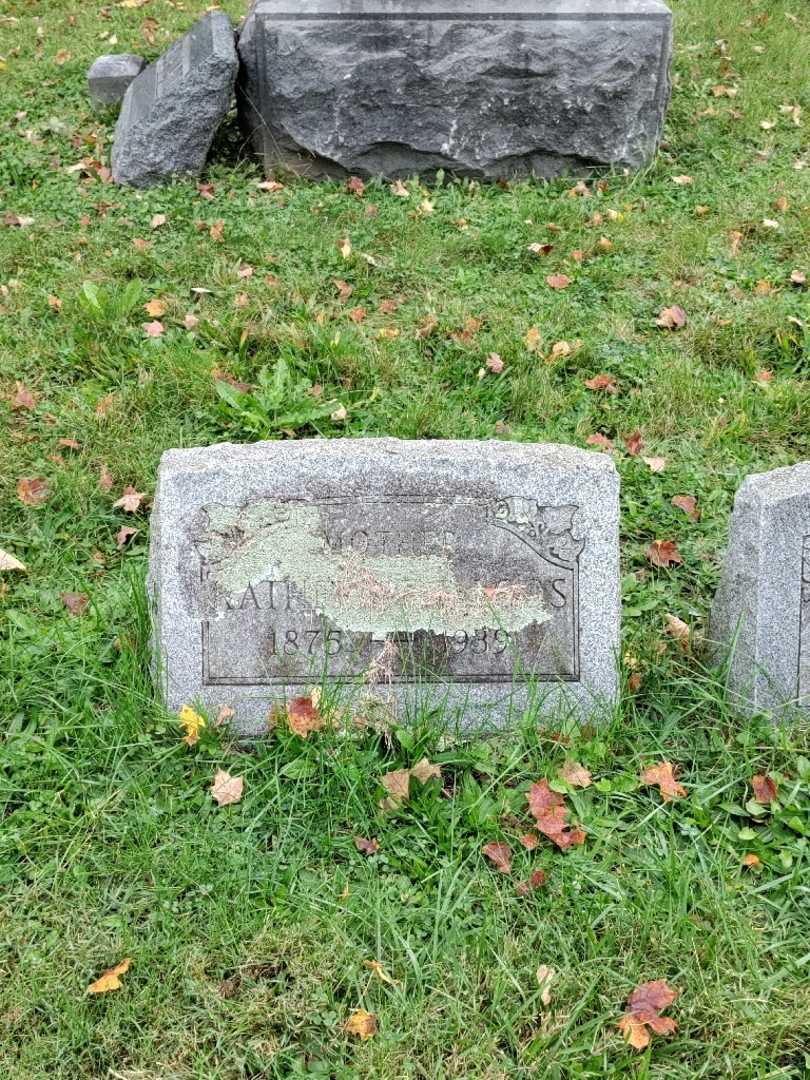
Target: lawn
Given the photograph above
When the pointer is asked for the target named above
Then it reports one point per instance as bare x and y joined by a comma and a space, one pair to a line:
313, 309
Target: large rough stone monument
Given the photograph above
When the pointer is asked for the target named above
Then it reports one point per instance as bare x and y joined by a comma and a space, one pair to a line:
489, 88
762, 609
475, 575
172, 110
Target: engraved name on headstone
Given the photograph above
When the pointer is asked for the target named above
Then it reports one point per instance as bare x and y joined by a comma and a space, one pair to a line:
762, 609
475, 573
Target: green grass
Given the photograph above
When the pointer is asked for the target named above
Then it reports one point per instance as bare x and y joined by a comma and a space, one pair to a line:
249, 926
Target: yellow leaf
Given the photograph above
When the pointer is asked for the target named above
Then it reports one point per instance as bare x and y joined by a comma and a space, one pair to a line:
423, 771
227, 789
361, 1023
192, 723
634, 1031
380, 972
345, 246
398, 786
109, 980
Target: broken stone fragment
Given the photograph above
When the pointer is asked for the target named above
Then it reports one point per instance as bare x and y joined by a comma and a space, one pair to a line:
172, 110
109, 77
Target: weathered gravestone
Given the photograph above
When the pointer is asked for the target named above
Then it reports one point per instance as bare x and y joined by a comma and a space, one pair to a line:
762, 609
109, 77
468, 573
490, 88
172, 110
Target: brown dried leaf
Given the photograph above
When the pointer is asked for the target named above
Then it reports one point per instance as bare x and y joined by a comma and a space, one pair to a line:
75, 602
424, 770
634, 442
355, 186
558, 281
664, 553
655, 464
155, 308
687, 503
500, 854
23, 398
157, 221
153, 329
602, 382
671, 318
130, 501
304, 716
600, 440
645, 1006
362, 1024
678, 630
575, 774
398, 786
105, 480
124, 535
663, 778
495, 363
530, 841
226, 789
367, 847
550, 812
534, 881
764, 789
750, 859
32, 490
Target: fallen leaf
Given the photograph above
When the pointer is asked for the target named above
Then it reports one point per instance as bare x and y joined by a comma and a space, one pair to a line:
424, 770
736, 240
671, 318
191, 321
662, 776
751, 859
269, 185
75, 602
226, 789
764, 789
494, 363
645, 1006
32, 490
156, 308
104, 405
560, 349
153, 329
340, 414
687, 503
217, 230
388, 307
533, 339
558, 281
380, 972
764, 377
655, 464
634, 682
541, 249
345, 247
682, 181
8, 562
399, 189
225, 714
798, 277
70, 444
603, 382
130, 501
61, 57
110, 979
124, 535
304, 716
355, 186
157, 221
23, 398
500, 854
530, 841
602, 441
398, 786
366, 847
105, 480
204, 189
550, 812
575, 774
192, 723
140, 244
534, 881
678, 630
664, 553
725, 91
427, 327
634, 442
361, 1023
545, 976
358, 314
54, 303
344, 289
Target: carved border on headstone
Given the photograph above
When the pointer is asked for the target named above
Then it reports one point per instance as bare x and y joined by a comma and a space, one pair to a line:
803, 677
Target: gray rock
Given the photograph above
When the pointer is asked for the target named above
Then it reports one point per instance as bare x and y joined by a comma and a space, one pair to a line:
172, 110
478, 576
762, 609
110, 76
487, 88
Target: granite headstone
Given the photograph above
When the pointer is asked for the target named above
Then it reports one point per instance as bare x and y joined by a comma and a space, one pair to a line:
762, 609
171, 112
476, 575
487, 88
